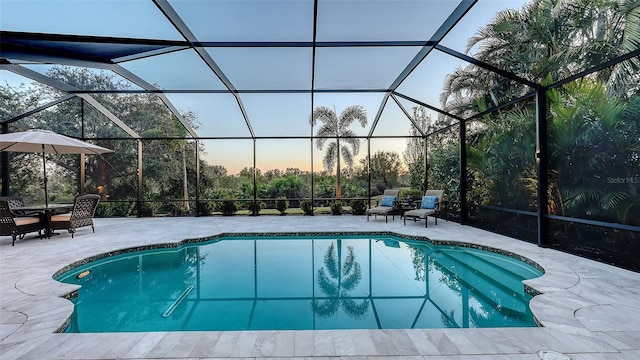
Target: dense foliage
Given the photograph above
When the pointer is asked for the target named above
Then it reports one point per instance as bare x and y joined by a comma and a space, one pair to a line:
594, 134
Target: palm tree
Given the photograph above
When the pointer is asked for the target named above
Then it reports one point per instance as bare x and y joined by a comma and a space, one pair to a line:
337, 281
338, 128
593, 148
547, 40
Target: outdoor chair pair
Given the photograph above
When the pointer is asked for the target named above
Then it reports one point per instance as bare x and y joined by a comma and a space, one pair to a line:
430, 205
387, 206
84, 207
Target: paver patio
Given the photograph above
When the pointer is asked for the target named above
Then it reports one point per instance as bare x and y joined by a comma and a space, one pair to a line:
588, 310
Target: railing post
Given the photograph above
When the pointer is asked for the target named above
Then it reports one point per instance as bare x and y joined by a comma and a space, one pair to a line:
464, 216
5, 164
255, 211
369, 170
197, 178
542, 165
426, 172
139, 173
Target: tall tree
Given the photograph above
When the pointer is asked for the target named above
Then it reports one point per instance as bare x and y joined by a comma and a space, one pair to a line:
114, 175
385, 168
547, 40
345, 146
414, 152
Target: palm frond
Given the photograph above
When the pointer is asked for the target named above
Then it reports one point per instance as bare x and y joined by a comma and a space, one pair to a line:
326, 130
353, 142
330, 157
327, 286
355, 310
350, 281
612, 200
323, 114
331, 261
326, 308
320, 142
347, 156
348, 261
580, 197
351, 114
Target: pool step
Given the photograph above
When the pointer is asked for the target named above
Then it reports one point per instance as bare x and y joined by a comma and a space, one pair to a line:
507, 300
508, 274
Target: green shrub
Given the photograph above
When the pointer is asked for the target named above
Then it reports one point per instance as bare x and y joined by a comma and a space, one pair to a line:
177, 209
412, 193
359, 207
114, 209
282, 205
206, 208
255, 207
307, 207
104, 210
227, 207
123, 208
149, 208
336, 208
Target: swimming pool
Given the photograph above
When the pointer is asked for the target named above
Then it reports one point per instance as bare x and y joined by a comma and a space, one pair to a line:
300, 282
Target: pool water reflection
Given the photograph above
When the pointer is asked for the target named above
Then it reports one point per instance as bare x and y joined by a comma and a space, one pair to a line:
277, 283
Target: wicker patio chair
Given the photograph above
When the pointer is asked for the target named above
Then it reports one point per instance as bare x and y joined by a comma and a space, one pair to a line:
17, 227
425, 210
384, 208
84, 207
16, 202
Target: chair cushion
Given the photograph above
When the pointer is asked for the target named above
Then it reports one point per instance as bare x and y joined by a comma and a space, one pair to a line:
429, 202
62, 217
419, 213
387, 200
26, 220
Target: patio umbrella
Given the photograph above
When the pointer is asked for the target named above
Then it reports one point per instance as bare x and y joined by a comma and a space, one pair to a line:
46, 142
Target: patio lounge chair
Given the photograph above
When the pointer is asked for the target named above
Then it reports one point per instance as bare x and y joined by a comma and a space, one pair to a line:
387, 205
17, 227
431, 204
84, 207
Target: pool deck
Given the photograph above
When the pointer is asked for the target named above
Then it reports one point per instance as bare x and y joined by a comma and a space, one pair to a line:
588, 310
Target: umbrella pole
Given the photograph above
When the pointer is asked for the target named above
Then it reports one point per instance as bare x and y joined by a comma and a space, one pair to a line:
44, 167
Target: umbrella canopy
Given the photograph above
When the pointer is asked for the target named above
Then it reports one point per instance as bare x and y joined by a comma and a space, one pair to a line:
47, 142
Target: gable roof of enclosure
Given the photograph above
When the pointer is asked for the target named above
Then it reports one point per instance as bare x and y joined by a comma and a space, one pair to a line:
240, 51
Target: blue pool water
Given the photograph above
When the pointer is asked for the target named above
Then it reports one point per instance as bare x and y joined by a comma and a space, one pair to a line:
321, 282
